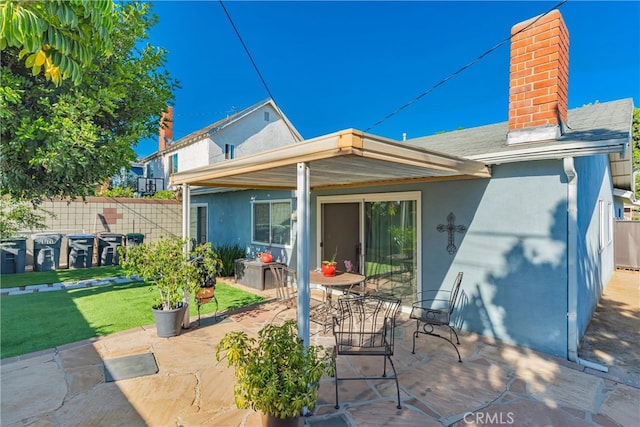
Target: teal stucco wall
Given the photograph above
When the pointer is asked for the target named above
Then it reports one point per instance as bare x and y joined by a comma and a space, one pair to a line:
513, 252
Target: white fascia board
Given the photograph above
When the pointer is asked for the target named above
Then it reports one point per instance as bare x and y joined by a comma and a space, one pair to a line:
627, 195
558, 151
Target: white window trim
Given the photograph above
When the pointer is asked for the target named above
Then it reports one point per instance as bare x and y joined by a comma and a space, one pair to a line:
374, 197
605, 224
201, 205
270, 202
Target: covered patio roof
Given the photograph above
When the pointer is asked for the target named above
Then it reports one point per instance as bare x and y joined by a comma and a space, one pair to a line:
349, 158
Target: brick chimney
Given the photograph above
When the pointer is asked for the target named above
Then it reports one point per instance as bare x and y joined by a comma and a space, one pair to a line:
166, 129
539, 79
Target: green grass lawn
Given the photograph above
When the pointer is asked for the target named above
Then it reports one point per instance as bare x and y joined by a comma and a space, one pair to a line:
67, 275
38, 321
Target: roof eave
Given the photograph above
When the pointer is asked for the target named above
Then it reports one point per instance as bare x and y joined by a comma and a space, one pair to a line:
558, 151
412, 164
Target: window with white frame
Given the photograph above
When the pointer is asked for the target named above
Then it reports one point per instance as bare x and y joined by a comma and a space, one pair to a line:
271, 222
605, 223
198, 222
173, 163
229, 151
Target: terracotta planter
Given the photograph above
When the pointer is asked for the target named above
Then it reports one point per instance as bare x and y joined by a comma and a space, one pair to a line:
266, 258
204, 295
271, 421
329, 269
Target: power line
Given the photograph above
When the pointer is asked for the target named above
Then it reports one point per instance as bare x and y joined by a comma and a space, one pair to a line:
246, 49
255, 66
450, 76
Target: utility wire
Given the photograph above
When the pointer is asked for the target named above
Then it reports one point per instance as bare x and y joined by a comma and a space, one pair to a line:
294, 133
449, 77
246, 49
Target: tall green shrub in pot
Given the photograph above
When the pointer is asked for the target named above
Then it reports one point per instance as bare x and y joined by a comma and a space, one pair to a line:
276, 373
170, 271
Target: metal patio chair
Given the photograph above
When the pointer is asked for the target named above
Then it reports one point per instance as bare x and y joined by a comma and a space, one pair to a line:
377, 282
365, 326
436, 311
287, 292
285, 284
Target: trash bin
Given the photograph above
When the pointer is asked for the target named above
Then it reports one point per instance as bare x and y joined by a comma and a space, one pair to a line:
134, 239
108, 248
46, 251
13, 253
80, 250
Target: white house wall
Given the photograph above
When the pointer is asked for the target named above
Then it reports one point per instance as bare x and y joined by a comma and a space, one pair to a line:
192, 156
252, 135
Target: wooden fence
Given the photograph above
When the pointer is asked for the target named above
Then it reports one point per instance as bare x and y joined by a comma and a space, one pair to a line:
627, 244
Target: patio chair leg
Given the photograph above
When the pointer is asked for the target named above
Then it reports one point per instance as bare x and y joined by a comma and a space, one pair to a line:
415, 335
335, 373
455, 333
450, 342
395, 375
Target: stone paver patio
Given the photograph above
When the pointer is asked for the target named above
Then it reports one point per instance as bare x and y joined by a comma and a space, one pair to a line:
497, 384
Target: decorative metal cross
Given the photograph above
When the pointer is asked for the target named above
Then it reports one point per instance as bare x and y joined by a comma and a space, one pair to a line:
451, 229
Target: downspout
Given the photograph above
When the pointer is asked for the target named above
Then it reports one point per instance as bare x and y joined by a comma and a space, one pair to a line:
572, 267
186, 231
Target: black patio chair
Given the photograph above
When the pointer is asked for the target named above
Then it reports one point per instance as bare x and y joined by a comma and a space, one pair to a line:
285, 280
365, 326
436, 311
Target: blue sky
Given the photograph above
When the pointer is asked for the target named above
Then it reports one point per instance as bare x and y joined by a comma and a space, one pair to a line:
336, 65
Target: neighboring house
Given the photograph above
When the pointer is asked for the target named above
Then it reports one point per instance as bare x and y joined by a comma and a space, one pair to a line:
524, 208
255, 129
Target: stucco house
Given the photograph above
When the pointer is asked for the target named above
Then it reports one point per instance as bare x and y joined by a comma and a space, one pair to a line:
524, 208
257, 128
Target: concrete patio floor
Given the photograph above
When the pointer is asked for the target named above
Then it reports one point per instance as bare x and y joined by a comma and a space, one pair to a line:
497, 383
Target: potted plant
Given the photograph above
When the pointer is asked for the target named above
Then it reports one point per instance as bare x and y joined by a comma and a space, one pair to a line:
265, 256
275, 373
172, 274
329, 267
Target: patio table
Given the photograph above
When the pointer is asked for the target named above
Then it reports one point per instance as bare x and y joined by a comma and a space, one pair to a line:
342, 281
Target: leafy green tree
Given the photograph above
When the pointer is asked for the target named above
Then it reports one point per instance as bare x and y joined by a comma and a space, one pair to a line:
16, 216
57, 37
65, 140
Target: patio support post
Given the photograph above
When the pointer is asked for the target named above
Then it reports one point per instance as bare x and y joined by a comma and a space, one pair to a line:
186, 211
303, 243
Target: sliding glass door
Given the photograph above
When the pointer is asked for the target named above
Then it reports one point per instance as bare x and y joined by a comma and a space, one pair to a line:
390, 246
385, 241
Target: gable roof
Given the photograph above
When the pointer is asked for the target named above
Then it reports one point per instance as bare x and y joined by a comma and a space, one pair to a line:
210, 130
353, 158
600, 128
